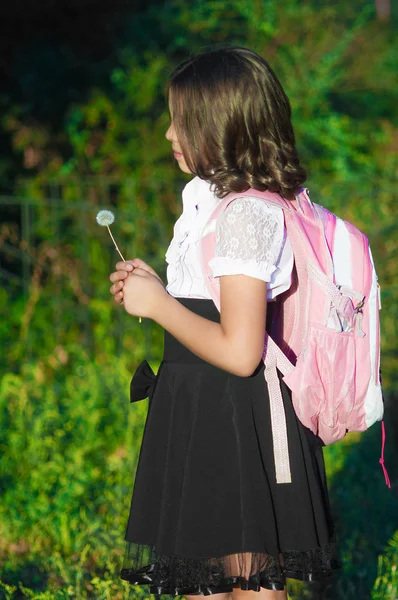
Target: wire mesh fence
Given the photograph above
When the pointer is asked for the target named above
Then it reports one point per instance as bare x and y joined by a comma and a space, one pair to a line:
55, 260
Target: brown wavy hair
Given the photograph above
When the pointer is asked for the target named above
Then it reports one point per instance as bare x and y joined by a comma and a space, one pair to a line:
233, 122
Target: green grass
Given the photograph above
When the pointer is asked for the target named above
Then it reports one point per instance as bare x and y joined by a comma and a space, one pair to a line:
69, 446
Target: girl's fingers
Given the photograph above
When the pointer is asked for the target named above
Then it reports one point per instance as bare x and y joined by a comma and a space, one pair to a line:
129, 265
118, 298
116, 288
118, 276
124, 266
138, 263
142, 265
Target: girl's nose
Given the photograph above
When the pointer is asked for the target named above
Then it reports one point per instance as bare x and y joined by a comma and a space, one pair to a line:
170, 134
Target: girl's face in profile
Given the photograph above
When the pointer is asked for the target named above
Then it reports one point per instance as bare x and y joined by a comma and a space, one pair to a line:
171, 136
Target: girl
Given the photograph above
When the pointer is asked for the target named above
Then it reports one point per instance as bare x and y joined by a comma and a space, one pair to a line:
207, 516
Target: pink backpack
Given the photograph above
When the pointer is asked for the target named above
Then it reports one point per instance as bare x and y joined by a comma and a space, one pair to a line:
326, 334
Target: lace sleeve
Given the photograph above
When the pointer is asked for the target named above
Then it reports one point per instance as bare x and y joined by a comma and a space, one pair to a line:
249, 239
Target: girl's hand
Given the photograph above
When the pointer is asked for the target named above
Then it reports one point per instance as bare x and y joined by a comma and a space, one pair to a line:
122, 271
143, 293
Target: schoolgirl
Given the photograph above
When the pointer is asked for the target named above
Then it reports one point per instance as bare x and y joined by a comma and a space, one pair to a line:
207, 516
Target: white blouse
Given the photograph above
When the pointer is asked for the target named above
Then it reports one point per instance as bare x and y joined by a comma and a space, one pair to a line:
250, 240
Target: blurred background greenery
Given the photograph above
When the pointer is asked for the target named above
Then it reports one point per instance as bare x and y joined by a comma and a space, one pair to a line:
83, 118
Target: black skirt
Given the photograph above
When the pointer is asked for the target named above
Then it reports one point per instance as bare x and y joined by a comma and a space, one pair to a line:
207, 514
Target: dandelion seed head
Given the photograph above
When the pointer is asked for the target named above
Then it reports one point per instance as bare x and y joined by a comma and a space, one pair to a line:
105, 217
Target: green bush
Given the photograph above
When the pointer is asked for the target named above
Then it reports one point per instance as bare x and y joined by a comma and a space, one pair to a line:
69, 447
386, 585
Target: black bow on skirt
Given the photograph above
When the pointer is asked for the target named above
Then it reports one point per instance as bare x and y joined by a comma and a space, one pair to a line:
143, 382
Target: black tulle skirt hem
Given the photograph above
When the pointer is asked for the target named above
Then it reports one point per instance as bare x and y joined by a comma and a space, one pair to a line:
179, 576
227, 585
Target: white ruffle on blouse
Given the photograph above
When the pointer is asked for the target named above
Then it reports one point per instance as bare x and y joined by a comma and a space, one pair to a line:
250, 240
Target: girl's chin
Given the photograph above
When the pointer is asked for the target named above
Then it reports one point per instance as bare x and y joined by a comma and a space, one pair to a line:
182, 164
184, 168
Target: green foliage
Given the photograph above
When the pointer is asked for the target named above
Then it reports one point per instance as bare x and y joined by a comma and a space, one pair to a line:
69, 439
112, 148
365, 509
69, 449
66, 425
386, 585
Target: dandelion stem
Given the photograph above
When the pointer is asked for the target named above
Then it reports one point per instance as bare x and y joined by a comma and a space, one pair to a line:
113, 239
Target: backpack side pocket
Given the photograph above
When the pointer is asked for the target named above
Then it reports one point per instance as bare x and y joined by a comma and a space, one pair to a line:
323, 382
